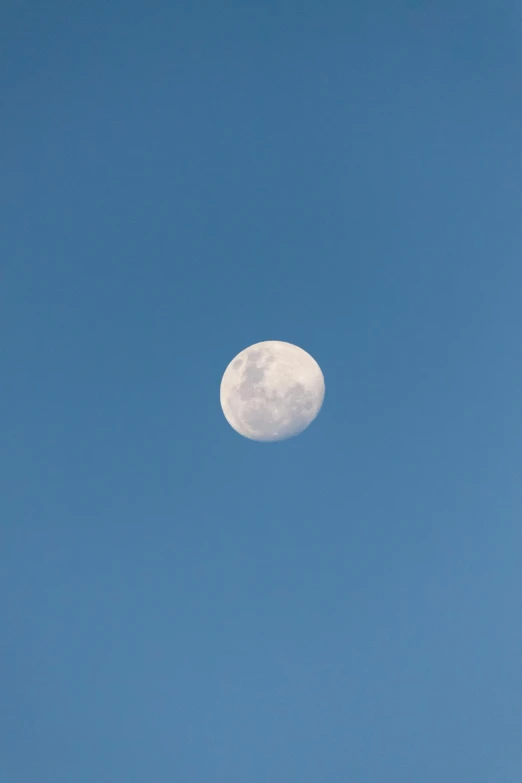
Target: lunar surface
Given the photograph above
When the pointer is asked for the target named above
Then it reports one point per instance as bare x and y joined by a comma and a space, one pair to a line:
272, 391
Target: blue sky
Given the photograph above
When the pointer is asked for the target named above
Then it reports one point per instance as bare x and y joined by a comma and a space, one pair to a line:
180, 180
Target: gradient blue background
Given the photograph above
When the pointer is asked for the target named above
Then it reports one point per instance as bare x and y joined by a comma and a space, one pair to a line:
180, 180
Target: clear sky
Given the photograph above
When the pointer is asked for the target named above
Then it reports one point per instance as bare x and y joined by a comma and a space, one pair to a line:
180, 180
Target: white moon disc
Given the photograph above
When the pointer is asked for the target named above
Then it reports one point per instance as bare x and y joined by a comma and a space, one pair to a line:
272, 391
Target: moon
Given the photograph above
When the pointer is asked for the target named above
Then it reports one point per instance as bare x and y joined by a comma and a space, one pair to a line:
272, 391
